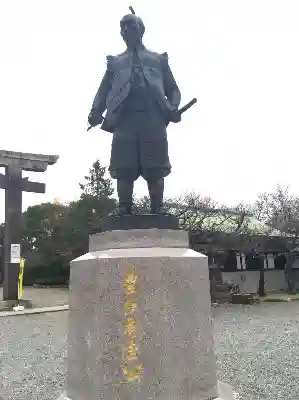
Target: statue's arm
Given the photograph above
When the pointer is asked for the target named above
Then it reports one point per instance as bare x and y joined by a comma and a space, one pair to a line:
99, 102
171, 89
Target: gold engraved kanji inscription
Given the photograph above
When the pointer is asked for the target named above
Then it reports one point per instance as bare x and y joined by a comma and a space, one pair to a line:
131, 367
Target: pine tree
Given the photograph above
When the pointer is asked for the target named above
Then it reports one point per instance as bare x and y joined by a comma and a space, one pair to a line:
96, 183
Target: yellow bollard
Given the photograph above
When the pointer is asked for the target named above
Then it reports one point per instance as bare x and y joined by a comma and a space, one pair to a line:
20, 280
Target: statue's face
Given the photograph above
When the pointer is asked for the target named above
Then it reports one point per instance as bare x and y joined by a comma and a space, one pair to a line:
130, 29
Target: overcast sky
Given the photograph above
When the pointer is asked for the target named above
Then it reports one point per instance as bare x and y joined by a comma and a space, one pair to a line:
240, 58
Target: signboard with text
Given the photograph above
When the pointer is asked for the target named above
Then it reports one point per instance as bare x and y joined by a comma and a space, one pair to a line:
15, 253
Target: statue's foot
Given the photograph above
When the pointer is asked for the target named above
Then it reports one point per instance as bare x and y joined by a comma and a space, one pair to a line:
120, 211
160, 211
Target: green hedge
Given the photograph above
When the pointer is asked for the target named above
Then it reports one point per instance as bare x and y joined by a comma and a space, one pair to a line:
54, 274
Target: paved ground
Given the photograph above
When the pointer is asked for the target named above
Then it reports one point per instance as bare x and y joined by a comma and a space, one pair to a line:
280, 297
44, 297
257, 350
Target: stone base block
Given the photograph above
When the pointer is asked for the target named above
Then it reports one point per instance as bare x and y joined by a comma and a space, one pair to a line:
224, 392
140, 320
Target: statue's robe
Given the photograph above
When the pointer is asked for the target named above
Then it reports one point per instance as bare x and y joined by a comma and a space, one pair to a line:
138, 91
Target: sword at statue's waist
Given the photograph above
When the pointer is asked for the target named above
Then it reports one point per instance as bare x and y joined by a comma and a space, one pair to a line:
180, 111
187, 106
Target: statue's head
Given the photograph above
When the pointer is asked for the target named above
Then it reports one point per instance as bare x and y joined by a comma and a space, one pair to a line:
132, 29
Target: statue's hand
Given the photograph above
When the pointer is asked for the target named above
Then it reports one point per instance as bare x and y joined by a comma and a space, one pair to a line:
175, 116
95, 119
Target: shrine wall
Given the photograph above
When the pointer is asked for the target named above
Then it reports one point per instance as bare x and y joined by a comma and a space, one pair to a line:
248, 281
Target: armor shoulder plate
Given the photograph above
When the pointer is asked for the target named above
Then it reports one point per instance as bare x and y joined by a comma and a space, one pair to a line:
110, 60
164, 59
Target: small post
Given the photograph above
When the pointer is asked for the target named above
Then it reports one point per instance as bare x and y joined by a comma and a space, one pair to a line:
261, 289
19, 307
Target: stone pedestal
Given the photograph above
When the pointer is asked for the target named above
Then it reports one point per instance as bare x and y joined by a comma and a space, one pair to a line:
139, 321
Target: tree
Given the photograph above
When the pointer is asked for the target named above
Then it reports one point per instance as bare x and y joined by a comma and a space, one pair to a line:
96, 200
280, 210
96, 184
54, 233
45, 232
200, 214
45, 243
142, 205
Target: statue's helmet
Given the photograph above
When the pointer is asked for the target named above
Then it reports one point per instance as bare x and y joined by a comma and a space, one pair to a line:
132, 22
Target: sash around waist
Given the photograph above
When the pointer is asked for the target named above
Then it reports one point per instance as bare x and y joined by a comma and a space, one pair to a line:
140, 99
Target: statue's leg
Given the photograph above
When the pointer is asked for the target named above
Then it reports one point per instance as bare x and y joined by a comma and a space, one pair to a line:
124, 164
125, 196
156, 191
154, 160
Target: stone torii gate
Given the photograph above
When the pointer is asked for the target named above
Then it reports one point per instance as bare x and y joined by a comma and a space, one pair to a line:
13, 183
